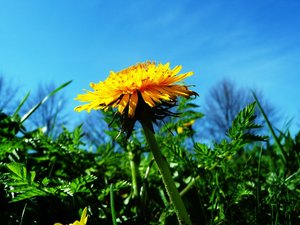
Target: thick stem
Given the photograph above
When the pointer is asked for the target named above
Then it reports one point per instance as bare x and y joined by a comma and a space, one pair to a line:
164, 169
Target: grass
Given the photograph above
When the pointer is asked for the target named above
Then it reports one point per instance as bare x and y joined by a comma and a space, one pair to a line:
243, 179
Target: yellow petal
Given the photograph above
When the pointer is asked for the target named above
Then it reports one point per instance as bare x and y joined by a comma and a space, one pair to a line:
123, 103
132, 104
179, 90
176, 70
180, 77
83, 219
154, 95
159, 91
148, 99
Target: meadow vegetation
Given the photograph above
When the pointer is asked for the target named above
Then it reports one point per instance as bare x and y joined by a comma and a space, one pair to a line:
246, 178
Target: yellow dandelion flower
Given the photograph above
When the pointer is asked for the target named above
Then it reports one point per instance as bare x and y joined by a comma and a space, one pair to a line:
188, 125
83, 219
179, 130
144, 85
155, 83
144, 92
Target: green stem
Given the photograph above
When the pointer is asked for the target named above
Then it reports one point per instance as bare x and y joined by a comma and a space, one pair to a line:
164, 169
258, 188
189, 186
112, 205
134, 174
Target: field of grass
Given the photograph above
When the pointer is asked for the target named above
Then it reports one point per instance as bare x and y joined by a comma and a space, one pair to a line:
244, 179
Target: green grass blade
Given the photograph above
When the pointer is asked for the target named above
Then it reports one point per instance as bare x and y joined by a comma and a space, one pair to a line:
21, 104
282, 152
32, 110
23, 212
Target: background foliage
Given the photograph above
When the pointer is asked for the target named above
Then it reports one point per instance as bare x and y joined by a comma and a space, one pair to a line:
245, 178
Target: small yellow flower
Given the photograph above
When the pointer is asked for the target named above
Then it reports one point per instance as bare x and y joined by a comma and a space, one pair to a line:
148, 85
187, 125
179, 130
83, 219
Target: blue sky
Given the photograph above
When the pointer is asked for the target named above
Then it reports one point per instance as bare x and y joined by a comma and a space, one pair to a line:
256, 43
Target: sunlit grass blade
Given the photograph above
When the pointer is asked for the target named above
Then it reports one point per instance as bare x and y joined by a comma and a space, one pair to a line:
282, 152
23, 212
21, 104
32, 110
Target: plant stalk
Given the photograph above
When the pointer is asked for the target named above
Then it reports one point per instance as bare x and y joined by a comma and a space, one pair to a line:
112, 205
134, 174
169, 183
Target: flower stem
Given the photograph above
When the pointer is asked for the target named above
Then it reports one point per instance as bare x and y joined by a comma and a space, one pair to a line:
164, 169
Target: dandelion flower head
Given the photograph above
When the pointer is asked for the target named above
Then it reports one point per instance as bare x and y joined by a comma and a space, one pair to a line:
150, 83
83, 219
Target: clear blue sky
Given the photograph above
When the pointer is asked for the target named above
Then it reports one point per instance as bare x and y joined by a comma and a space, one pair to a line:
256, 43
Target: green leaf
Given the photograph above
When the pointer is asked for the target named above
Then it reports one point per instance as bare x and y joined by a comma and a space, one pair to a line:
45, 181
243, 125
17, 169
32, 176
28, 193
